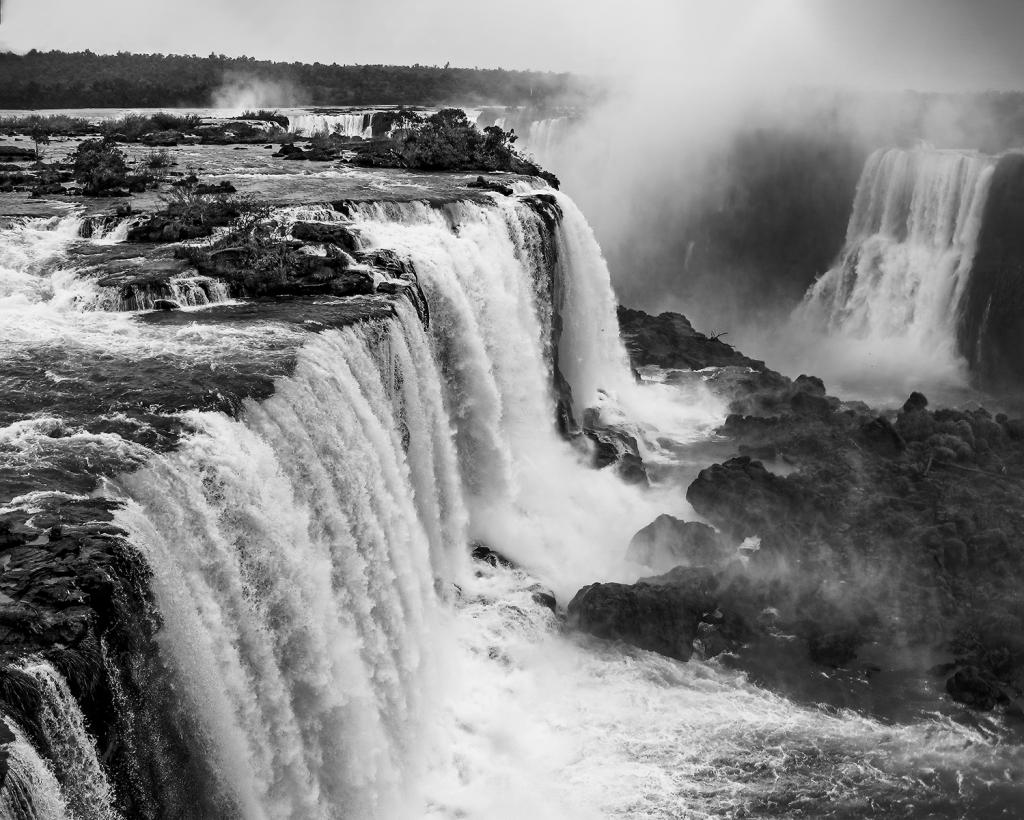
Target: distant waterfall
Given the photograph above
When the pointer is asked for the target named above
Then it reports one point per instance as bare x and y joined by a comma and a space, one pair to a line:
903, 272
353, 124
540, 134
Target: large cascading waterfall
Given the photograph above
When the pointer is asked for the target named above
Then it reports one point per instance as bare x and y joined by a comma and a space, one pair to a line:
905, 267
486, 271
302, 553
331, 651
294, 557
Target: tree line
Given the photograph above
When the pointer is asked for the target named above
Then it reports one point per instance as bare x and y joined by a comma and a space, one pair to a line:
57, 79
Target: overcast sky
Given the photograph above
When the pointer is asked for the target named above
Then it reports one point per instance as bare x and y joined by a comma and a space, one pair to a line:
926, 44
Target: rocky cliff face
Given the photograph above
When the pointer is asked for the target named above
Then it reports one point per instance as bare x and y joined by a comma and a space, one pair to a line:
76, 593
992, 322
867, 539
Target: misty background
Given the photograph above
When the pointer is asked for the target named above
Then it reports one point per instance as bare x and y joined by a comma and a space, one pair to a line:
718, 167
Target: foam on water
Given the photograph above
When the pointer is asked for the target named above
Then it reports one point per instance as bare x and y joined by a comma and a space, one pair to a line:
334, 652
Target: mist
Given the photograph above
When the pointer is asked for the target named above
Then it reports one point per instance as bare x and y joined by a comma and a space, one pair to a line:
720, 171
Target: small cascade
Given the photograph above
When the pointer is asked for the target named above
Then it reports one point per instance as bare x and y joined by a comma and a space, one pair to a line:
910, 244
70, 748
30, 790
106, 229
182, 291
352, 124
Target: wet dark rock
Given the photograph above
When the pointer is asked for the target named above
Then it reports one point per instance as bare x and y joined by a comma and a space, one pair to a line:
481, 552
880, 435
167, 228
669, 542
669, 341
613, 445
341, 235
915, 402
165, 304
71, 584
543, 597
975, 689
661, 619
747, 500
490, 185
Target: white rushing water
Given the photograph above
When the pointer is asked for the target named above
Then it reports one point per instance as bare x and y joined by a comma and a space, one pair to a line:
353, 124
70, 784
901, 277
334, 651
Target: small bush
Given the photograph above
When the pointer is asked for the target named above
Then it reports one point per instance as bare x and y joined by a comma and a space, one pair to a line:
158, 158
265, 116
131, 127
51, 125
100, 166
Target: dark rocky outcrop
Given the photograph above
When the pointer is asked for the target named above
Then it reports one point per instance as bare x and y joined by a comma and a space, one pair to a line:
669, 341
662, 618
75, 593
668, 542
611, 445
991, 332
490, 185
327, 232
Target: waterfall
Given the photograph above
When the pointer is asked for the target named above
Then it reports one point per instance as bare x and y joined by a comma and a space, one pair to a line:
30, 790
31, 280
69, 783
352, 124
902, 274
486, 271
540, 135
294, 555
183, 291
72, 750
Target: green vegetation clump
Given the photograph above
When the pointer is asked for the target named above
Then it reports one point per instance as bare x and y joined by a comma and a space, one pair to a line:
100, 167
50, 125
264, 116
132, 127
448, 141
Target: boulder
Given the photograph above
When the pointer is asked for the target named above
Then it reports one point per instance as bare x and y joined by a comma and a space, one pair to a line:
668, 542
481, 552
884, 439
327, 232
490, 185
657, 618
972, 688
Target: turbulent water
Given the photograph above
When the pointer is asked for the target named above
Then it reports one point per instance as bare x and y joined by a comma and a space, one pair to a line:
901, 277
334, 651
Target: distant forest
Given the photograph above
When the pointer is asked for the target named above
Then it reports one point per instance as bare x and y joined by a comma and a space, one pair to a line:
57, 79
